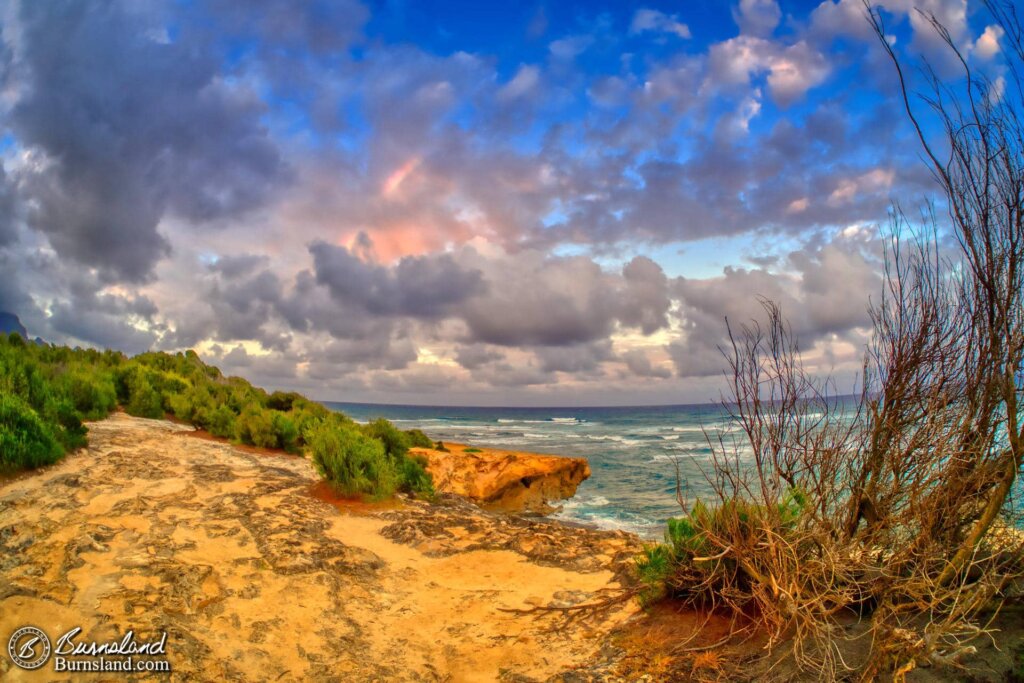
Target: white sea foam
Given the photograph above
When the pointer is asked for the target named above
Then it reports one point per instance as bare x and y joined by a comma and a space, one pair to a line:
644, 528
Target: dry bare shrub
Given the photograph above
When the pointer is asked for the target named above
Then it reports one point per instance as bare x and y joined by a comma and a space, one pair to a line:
898, 507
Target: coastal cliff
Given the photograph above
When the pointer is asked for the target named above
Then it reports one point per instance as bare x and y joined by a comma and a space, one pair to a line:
255, 574
505, 481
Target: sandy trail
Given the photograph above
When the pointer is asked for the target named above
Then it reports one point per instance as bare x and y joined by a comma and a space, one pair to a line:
255, 578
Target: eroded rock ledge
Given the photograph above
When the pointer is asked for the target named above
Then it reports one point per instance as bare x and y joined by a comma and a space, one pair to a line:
505, 481
254, 578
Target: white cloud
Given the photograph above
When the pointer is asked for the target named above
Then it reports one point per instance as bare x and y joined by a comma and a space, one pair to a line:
791, 71
652, 20
987, 45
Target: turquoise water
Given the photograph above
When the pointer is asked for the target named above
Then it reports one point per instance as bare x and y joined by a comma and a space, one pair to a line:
632, 451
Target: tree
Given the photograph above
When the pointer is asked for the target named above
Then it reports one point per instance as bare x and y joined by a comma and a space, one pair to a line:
891, 507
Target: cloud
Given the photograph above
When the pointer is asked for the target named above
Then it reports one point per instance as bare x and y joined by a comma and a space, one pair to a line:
124, 127
814, 293
535, 299
987, 45
418, 286
317, 204
522, 84
645, 20
790, 71
757, 17
639, 363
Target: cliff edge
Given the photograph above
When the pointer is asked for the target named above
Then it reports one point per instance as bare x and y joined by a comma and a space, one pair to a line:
505, 481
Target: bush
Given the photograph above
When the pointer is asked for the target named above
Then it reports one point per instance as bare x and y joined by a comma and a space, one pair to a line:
143, 399
284, 400
417, 439
221, 422
25, 440
286, 432
255, 427
353, 462
415, 478
65, 423
680, 567
92, 394
396, 442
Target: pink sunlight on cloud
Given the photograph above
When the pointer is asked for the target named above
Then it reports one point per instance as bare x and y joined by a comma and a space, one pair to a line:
395, 180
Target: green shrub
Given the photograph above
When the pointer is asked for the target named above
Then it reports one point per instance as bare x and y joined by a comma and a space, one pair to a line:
255, 426
415, 478
25, 440
65, 423
284, 400
286, 432
680, 566
144, 401
471, 450
92, 394
439, 446
417, 439
396, 442
221, 422
353, 462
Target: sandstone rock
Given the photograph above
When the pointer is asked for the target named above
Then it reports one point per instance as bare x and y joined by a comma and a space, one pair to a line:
505, 481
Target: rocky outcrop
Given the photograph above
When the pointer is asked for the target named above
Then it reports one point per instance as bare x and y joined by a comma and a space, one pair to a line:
256, 575
505, 481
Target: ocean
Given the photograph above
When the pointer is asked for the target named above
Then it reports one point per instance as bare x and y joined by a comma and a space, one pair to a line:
633, 452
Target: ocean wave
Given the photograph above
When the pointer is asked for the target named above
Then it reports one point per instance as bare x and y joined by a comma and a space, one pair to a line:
550, 420
623, 441
673, 457
643, 527
581, 502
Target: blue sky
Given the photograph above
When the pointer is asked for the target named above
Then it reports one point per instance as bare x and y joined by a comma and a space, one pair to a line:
460, 202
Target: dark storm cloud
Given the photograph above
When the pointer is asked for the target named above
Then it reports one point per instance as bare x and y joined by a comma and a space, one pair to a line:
639, 364
128, 126
417, 286
473, 356
8, 199
580, 359
237, 302
105, 320
539, 300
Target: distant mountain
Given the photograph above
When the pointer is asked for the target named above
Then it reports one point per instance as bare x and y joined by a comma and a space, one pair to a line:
10, 323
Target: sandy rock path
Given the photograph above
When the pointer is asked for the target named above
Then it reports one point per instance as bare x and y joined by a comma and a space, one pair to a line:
255, 578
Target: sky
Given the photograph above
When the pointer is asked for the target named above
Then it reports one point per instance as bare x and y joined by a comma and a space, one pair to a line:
460, 203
